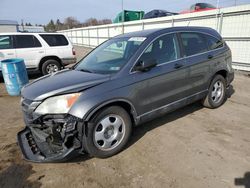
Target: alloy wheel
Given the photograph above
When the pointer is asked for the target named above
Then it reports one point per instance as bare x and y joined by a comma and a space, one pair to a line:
109, 132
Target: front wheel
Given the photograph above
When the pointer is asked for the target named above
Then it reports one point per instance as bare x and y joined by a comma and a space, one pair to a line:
108, 132
216, 93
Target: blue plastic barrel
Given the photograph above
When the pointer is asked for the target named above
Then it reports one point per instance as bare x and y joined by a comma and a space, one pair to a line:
14, 75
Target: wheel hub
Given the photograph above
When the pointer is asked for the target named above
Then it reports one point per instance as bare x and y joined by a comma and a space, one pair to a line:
217, 92
109, 132
52, 68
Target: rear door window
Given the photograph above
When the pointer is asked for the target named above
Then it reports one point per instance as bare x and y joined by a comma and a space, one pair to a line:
55, 40
26, 41
5, 42
193, 43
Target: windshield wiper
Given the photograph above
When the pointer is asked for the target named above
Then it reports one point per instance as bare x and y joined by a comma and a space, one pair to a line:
85, 70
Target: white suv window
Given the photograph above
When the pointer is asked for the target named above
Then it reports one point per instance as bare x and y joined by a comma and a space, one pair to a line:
55, 40
26, 41
5, 42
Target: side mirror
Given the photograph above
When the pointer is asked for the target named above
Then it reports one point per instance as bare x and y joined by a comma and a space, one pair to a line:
145, 65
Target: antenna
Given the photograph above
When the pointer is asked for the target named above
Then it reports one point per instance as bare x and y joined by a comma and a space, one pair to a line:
218, 3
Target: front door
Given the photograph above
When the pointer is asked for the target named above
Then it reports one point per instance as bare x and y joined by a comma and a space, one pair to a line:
166, 83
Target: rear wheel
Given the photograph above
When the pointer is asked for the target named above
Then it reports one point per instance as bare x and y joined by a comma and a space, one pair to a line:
216, 92
108, 132
50, 66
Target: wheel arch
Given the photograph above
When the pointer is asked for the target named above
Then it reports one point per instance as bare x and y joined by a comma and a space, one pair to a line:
221, 72
125, 104
44, 59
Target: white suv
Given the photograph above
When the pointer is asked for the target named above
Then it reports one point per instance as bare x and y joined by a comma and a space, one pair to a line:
46, 52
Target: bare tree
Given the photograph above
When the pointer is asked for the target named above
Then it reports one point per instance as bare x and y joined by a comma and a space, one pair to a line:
71, 22
91, 22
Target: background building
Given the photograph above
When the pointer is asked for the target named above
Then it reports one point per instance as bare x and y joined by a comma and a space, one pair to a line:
8, 26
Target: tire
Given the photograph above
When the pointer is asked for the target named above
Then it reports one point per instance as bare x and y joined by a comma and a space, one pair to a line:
108, 132
216, 93
50, 66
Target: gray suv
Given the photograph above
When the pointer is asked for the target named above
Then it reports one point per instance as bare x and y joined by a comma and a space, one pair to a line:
126, 81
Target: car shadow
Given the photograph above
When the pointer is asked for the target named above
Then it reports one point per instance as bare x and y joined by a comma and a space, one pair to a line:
141, 130
243, 181
230, 91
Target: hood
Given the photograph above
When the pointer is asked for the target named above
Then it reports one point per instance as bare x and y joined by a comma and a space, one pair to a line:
66, 81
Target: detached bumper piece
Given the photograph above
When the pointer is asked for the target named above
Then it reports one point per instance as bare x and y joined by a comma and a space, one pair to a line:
53, 140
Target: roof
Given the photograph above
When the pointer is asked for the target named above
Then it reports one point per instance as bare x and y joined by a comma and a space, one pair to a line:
143, 33
29, 33
156, 32
8, 22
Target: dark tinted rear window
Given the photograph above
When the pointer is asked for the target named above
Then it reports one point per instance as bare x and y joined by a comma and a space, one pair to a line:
26, 41
193, 43
55, 40
213, 43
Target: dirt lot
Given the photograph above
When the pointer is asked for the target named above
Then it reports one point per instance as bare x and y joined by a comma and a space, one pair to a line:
192, 147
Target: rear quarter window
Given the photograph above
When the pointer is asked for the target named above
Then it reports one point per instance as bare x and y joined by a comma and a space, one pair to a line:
213, 43
55, 40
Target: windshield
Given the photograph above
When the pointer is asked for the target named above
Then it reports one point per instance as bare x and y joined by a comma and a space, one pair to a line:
110, 56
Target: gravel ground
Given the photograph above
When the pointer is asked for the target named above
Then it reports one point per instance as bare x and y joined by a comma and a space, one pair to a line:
193, 147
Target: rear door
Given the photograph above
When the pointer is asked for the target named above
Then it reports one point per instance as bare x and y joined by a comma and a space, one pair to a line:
30, 49
6, 48
198, 59
58, 45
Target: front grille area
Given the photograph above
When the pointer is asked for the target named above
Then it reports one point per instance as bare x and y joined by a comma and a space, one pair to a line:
32, 143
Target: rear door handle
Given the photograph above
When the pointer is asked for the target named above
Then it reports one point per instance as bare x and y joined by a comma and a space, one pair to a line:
210, 56
178, 65
10, 53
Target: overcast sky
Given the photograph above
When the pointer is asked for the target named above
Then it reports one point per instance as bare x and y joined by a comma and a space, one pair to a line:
41, 11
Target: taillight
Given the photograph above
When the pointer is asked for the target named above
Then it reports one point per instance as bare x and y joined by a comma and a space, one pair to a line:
73, 51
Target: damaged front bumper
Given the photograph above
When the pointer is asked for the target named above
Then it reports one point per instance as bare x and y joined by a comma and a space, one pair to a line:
51, 138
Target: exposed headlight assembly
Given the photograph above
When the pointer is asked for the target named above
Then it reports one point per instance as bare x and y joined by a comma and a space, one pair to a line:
57, 105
